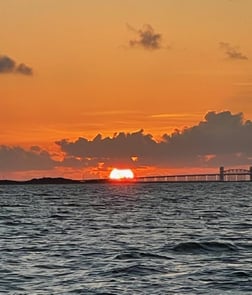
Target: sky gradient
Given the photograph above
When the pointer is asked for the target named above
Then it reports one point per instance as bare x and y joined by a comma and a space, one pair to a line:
165, 79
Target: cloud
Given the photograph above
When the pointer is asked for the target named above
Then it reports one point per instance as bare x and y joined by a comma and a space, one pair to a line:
173, 115
147, 38
24, 69
19, 159
232, 52
220, 139
120, 146
8, 65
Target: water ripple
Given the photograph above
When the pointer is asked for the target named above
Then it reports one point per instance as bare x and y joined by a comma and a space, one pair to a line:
201, 247
192, 238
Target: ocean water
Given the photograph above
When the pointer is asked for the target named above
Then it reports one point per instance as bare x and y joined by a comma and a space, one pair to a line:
150, 238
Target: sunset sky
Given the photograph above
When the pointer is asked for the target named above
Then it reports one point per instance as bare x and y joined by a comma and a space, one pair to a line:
159, 86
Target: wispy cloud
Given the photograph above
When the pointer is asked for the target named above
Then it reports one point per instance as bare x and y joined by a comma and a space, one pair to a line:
232, 52
174, 115
147, 38
24, 69
8, 65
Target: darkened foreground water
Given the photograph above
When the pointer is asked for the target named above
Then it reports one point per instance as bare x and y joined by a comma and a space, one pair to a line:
190, 238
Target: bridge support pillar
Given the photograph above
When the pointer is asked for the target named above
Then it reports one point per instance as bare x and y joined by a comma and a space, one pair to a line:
221, 173
250, 173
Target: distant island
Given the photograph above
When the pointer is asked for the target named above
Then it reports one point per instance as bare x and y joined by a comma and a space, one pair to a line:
44, 180
57, 180
52, 180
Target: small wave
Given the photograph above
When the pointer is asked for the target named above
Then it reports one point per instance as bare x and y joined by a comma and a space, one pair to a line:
12, 205
44, 194
139, 255
50, 198
198, 247
135, 269
70, 205
242, 274
12, 223
57, 216
243, 225
236, 287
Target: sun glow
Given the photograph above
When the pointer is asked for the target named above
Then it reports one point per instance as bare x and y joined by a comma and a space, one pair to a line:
121, 174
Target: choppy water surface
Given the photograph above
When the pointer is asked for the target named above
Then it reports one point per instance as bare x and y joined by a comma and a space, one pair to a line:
191, 238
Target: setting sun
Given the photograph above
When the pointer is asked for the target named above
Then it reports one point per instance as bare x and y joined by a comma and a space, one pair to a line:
121, 174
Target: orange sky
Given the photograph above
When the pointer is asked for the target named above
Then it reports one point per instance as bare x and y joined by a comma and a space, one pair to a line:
93, 71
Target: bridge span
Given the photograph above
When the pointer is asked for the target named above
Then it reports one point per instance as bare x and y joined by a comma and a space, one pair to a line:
223, 175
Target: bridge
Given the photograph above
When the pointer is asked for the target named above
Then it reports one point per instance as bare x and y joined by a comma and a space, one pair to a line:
223, 175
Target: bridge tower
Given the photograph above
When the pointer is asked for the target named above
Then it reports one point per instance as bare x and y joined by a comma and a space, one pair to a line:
221, 173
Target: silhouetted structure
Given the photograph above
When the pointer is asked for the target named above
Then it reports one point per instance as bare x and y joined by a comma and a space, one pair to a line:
223, 175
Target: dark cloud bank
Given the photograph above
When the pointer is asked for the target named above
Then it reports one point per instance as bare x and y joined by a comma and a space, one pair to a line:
8, 65
18, 159
221, 139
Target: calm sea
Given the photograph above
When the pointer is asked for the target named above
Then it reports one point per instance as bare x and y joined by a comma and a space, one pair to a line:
190, 238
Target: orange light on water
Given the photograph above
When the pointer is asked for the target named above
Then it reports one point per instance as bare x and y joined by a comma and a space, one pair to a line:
121, 174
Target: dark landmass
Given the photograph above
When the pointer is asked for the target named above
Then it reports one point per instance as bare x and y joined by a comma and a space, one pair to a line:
44, 180
59, 180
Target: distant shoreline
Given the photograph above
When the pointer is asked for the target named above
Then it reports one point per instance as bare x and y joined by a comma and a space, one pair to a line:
56, 180
61, 180
44, 180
